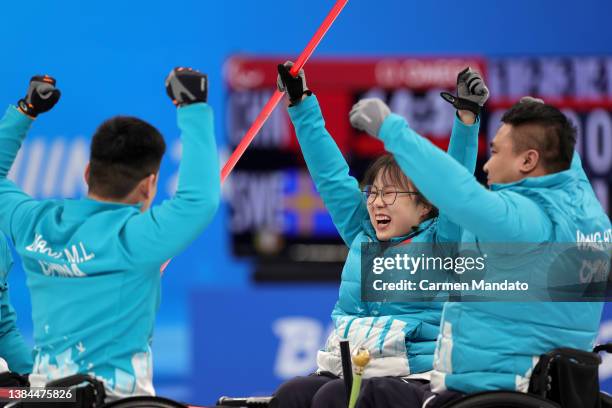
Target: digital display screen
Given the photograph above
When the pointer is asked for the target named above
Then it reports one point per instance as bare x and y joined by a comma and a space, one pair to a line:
275, 210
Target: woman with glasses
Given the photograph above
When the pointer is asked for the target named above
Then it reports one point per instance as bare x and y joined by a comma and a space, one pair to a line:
387, 208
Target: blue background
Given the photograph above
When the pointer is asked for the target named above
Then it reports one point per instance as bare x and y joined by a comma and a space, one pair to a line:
111, 58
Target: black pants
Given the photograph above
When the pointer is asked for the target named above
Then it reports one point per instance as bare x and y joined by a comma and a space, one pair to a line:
393, 392
314, 391
326, 391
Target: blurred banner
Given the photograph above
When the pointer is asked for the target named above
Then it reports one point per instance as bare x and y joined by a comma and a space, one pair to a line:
247, 342
274, 206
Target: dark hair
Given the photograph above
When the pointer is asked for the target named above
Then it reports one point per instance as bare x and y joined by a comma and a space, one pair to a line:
392, 173
543, 128
124, 150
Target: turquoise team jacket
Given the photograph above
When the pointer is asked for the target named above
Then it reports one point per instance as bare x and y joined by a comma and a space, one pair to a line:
494, 345
93, 268
401, 336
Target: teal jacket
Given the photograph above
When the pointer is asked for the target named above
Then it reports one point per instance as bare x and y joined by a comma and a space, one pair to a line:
494, 345
401, 336
13, 348
93, 268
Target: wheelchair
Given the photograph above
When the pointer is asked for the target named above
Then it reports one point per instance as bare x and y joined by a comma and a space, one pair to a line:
563, 378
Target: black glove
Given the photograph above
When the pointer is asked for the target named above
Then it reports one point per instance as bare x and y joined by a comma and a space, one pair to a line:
186, 86
294, 86
42, 96
472, 93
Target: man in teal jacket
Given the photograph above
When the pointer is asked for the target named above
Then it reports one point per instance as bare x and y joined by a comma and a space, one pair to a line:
13, 349
93, 264
538, 194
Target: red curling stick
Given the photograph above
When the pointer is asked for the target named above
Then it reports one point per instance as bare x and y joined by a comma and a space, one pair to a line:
277, 95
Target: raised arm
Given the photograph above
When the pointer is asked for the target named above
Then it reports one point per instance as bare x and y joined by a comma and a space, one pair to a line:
463, 147
458, 194
163, 231
472, 94
14, 127
452, 188
16, 206
327, 166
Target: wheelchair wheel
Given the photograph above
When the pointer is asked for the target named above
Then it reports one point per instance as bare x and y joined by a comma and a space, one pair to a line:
144, 402
501, 399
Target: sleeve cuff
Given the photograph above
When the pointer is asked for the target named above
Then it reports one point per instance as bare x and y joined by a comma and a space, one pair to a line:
387, 129
17, 116
310, 102
459, 122
193, 107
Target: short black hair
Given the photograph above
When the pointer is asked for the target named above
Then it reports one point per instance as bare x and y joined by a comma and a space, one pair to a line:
394, 174
543, 128
124, 150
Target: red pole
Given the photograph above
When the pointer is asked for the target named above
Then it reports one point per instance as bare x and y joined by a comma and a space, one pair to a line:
277, 96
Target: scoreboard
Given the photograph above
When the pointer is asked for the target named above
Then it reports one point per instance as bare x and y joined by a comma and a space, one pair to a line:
275, 211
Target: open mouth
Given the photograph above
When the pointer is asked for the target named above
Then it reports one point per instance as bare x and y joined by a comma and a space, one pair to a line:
382, 220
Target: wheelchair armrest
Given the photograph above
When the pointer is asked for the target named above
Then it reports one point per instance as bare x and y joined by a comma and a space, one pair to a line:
249, 402
603, 347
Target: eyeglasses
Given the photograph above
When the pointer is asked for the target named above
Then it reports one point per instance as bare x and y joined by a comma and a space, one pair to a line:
387, 193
